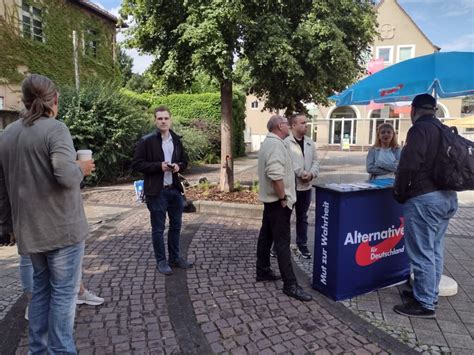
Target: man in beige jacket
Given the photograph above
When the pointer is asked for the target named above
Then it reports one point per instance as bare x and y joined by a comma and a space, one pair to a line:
277, 192
306, 167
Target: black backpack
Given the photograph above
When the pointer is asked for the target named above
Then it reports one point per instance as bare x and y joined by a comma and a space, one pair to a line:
454, 164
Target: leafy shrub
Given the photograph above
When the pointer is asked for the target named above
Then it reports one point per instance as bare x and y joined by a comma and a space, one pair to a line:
103, 119
195, 143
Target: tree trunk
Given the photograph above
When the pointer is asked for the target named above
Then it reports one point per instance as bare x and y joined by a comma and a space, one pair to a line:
227, 161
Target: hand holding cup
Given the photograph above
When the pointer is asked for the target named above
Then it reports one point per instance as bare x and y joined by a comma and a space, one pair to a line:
85, 161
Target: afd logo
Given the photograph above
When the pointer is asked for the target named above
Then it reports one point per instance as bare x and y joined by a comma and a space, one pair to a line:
377, 245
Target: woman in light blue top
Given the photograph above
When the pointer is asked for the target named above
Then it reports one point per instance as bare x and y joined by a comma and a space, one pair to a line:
383, 157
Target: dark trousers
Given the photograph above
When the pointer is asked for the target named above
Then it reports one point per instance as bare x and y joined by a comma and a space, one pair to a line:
303, 200
169, 201
275, 229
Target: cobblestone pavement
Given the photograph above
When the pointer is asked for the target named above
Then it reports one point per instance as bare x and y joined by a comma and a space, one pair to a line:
10, 288
240, 316
229, 311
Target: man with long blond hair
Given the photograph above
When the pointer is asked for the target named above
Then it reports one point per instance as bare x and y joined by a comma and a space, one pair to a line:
41, 204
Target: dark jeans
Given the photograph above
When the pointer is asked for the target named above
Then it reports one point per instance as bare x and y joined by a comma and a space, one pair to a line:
275, 229
169, 201
303, 200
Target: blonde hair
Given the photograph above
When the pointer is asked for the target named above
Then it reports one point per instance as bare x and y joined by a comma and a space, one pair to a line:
38, 95
393, 142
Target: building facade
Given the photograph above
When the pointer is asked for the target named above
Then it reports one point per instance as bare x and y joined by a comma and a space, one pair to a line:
62, 39
399, 39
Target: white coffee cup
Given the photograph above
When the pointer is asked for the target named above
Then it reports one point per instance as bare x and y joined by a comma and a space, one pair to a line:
84, 154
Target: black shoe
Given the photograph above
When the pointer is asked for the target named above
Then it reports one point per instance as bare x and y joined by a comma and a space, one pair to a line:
269, 276
181, 263
273, 253
297, 292
414, 309
304, 251
409, 294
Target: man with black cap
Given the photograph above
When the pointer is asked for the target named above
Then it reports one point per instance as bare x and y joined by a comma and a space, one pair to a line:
427, 209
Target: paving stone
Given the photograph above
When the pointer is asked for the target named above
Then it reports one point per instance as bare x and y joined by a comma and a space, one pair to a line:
453, 327
467, 317
425, 324
460, 341
430, 337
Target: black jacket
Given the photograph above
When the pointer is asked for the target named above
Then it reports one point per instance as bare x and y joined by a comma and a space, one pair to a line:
414, 174
148, 158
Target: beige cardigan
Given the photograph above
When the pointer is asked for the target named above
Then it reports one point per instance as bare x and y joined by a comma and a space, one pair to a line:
274, 163
40, 199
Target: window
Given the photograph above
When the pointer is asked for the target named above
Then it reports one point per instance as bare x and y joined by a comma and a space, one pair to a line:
406, 52
90, 43
467, 106
254, 104
342, 125
386, 53
1, 102
32, 22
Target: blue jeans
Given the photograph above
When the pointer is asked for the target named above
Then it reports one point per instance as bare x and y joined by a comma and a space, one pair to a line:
57, 274
303, 200
168, 201
426, 220
26, 273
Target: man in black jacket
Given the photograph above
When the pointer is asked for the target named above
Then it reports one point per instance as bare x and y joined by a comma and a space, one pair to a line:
160, 156
427, 209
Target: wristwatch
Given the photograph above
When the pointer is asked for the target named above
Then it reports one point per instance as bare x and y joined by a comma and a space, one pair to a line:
282, 199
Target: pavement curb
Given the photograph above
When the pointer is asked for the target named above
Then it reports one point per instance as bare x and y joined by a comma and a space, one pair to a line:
229, 209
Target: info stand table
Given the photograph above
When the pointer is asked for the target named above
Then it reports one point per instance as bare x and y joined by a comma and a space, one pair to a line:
359, 245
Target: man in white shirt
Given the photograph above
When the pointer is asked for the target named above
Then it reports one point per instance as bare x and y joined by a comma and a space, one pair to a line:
160, 156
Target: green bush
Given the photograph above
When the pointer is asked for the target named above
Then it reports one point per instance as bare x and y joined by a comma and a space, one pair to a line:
199, 114
108, 122
201, 138
196, 143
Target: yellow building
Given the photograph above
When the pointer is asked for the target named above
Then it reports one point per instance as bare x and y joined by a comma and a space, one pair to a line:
399, 39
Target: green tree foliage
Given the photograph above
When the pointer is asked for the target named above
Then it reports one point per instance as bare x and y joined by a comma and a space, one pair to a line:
125, 64
310, 50
139, 83
103, 119
296, 50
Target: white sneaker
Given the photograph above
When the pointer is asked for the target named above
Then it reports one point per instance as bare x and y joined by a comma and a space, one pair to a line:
89, 298
26, 311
